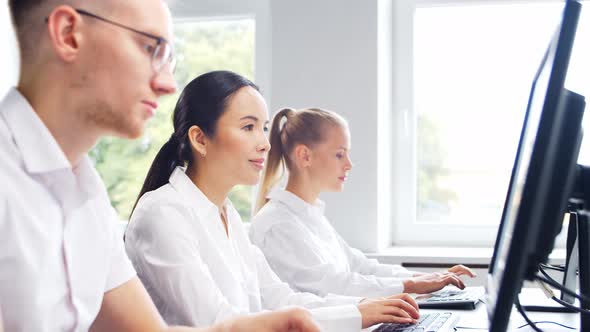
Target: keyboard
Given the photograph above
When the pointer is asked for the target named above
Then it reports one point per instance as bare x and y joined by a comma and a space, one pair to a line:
428, 322
451, 298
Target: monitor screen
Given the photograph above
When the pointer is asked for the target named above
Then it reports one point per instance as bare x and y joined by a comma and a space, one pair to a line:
530, 184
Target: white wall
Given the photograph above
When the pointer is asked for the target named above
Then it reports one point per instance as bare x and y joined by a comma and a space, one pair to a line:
326, 54
333, 54
9, 56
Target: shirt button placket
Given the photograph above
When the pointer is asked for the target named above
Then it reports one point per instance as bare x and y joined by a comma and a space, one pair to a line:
67, 196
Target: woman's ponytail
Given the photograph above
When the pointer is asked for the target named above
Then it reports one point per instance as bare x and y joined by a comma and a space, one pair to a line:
162, 167
276, 157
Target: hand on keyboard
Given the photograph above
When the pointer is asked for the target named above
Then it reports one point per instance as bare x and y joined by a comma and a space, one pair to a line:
431, 282
394, 309
462, 270
431, 322
284, 320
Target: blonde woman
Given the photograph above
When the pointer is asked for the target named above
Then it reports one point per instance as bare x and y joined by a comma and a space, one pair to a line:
290, 228
185, 238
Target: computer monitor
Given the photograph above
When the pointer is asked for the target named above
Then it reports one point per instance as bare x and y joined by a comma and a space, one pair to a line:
532, 191
560, 185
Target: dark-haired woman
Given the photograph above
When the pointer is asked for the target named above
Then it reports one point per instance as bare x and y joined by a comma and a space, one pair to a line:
186, 239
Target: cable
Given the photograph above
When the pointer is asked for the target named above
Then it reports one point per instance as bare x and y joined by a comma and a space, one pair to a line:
548, 280
470, 328
551, 295
573, 307
560, 267
542, 270
524, 315
559, 286
548, 322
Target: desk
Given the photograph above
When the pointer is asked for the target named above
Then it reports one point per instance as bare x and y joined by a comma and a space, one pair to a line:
478, 318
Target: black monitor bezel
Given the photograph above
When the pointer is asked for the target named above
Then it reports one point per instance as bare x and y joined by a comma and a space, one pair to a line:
528, 222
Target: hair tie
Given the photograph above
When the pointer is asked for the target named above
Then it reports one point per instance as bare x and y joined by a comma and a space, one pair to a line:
288, 114
282, 122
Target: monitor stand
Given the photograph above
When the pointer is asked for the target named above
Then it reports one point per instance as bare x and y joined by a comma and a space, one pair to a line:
584, 245
578, 249
580, 202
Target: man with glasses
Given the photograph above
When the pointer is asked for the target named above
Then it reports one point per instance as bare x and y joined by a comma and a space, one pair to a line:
88, 69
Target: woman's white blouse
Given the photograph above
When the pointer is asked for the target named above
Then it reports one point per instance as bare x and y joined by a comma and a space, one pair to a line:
198, 275
304, 250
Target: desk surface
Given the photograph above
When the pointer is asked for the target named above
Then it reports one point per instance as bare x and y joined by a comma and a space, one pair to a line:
477, 320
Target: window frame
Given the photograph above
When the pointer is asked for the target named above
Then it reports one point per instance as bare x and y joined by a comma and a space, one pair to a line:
404, 149
11, 57
259, 10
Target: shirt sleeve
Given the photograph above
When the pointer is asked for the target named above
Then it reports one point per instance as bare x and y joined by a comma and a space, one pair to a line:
299, 262
120, 268
364, 265
168, 262
333, 313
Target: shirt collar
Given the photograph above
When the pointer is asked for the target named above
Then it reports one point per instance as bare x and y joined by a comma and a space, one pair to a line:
40, 152
298, 205
183, 184
90, 181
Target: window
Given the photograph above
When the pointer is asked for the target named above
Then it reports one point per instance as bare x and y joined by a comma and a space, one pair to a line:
472, 69
8, 58
200, 46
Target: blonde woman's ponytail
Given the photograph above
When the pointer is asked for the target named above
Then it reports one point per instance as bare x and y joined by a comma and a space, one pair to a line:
275, 165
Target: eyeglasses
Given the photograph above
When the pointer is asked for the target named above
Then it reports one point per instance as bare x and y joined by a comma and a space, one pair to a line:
162, 54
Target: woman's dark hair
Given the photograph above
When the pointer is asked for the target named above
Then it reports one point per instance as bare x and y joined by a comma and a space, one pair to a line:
201, 103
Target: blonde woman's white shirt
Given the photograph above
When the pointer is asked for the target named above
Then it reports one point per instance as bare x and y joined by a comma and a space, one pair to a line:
60, 244
197, 274
304, 250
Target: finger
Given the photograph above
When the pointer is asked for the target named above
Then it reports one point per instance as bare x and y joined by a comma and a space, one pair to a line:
396, 319
449, 280
406, 297
454, 280
461, 282
306, 325
300, 320
411, 301
395, 311
396, 296
405, 306
463, 270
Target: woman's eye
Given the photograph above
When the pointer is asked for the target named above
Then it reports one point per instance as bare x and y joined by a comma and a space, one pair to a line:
248, 127
266, 130
339, 155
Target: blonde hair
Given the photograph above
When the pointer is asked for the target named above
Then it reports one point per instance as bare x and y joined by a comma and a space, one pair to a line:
305, 126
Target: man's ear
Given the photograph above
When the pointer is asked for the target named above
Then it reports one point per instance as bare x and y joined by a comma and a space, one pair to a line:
303, 155
63, 25
198, 140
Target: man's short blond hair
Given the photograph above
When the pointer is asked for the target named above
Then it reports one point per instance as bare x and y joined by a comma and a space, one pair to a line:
28, 19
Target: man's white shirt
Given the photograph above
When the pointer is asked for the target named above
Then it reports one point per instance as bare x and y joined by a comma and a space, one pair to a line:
60, 247
197, 274
305, 250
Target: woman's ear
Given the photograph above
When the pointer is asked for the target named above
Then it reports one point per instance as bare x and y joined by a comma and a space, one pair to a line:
302, 155
198, 140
